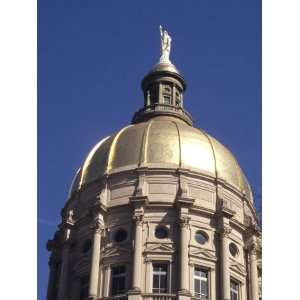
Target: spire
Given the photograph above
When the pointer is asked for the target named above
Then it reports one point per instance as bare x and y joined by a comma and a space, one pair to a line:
163, 87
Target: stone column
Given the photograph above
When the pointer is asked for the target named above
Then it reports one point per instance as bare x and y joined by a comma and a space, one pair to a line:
148, 283
52, 279
63, 278
225, 267
184, 254
138, 248
106, 285
95, 261
253, 272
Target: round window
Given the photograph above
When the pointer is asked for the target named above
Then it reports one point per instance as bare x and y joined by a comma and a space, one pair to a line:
161, 232
120, 235
201, 237
233, 249
86, 246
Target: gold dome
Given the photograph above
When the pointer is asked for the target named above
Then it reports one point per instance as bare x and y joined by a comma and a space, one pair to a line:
163, 142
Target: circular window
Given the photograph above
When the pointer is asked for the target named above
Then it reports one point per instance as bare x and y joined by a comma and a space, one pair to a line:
86, 246
201, 237
161, 232
120, 236
233, 249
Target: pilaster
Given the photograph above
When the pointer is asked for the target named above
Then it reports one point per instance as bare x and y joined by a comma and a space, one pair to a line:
96, 256
66, 228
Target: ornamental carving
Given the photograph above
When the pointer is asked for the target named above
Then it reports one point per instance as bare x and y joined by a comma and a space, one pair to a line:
138, 220
253, 249
225, 231
184, 221
98, 225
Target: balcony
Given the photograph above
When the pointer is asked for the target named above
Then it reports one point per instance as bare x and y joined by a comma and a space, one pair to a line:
144, 296
159, 296
162, 109
116, 297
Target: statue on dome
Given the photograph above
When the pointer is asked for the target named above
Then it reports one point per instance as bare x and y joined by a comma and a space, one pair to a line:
165, 46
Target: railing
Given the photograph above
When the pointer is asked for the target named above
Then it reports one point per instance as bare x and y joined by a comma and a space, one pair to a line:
117, 297
158, 107
148, 296
159, 296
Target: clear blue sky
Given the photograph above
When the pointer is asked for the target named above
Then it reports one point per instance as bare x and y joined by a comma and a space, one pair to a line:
92, 56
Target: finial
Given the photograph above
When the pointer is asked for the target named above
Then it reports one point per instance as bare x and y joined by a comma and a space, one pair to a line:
165, 46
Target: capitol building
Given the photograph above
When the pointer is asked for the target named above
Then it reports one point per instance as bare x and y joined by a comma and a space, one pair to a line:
159, 210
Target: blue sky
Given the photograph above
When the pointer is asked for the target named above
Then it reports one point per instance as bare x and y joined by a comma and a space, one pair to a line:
92, 56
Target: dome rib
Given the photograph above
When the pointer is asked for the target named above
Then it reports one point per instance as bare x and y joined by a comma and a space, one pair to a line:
213, 151
179, 143
144, 152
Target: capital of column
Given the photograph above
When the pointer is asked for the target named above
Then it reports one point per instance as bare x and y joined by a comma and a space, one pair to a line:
98, 226
184, 221
138, 219
225, 231
253, 249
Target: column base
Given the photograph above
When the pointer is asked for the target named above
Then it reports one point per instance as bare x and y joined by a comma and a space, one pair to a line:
184, 295
134, 294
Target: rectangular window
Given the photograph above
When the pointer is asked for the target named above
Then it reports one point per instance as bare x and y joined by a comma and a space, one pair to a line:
201, 283
167, 99
84, 287
234, 290
160, 277
118, 277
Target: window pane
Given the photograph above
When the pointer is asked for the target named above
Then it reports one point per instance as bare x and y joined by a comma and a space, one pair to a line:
156, 268
114, 286
204, 290
163, 282
155, 281
197, 286
121, 284
118, 280
203, 274
84, 293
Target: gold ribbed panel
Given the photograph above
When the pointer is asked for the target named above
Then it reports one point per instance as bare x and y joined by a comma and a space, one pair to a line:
127, 147
162, 143
227, 167
196, 152
96, 162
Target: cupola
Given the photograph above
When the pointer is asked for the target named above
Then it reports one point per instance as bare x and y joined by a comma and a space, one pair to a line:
163, 88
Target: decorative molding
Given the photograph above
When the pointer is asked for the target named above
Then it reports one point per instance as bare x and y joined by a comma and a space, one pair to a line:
160, 248
239, 268
225, 231
202, 253
138, 219
116, 251
184, 221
